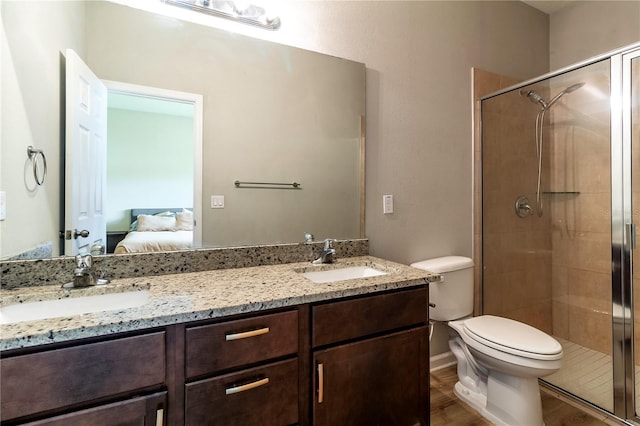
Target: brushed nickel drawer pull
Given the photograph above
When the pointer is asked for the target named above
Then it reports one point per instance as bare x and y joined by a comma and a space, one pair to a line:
248, 386
320, 383
246, 334
159, 417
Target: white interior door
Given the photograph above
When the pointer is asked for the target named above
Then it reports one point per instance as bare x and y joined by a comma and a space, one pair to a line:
85, 158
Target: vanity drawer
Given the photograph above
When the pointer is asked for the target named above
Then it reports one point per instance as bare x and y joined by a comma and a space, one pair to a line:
216, 347
262, 396
148, 410
350, 319
58, 378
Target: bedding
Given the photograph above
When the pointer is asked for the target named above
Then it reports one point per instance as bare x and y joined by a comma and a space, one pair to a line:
150, 223
158, 230
137, 242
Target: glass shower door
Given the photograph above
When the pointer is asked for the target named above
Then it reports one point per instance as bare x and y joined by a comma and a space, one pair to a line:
577, 199
546, 183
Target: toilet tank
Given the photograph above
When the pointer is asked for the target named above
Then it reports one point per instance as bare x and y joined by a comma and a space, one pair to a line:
453, 294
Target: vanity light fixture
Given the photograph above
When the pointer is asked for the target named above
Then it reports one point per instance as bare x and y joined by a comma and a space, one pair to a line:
239, 11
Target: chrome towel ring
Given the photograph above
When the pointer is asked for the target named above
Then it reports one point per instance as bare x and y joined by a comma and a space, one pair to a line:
33, 155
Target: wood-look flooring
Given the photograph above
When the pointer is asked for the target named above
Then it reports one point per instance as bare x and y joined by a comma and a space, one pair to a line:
448, 410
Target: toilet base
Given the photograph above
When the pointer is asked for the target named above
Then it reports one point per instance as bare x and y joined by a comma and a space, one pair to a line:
519, 406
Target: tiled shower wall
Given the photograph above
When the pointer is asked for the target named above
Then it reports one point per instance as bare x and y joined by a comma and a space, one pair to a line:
517, 252
484, 83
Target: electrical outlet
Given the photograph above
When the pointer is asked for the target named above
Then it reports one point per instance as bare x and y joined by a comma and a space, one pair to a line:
217, 201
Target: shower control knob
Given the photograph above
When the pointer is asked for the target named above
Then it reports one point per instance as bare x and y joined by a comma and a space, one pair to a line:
523, 208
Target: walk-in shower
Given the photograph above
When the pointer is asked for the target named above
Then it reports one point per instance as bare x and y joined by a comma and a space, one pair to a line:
571, 141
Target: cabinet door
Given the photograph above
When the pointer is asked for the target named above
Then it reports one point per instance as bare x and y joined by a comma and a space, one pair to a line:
142, 411
380, 381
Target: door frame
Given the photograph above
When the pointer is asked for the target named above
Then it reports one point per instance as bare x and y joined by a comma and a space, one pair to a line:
185, 97
623, 236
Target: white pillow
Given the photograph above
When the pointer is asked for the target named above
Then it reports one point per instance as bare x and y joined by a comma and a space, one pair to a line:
148, 223
184, 220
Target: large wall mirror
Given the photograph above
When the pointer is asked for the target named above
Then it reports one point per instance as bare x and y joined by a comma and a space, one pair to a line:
270, 113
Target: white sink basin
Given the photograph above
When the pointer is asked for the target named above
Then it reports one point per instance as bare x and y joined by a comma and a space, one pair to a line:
30, 311
341, 274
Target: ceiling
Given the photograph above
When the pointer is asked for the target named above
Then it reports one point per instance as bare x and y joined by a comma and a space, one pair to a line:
548, 6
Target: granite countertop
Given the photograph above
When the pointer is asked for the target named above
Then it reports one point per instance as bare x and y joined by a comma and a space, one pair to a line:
196, 296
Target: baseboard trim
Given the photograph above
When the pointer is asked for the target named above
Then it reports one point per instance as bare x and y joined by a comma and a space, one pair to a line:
440, 361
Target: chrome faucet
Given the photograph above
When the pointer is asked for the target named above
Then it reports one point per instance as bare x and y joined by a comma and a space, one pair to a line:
84, 275
327, 254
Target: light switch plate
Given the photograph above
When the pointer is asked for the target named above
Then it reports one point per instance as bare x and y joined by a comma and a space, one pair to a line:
387, 204
217, 201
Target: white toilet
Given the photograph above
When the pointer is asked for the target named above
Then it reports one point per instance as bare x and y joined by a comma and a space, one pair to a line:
499, 360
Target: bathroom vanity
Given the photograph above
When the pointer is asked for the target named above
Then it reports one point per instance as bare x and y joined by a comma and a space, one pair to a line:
250, 346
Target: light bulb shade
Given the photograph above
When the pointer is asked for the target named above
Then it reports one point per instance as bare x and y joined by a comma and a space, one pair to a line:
239, 11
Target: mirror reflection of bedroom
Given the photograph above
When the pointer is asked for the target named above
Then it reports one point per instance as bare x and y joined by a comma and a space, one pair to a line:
150, 174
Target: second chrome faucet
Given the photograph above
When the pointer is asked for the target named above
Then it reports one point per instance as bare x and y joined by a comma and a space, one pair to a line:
327, 255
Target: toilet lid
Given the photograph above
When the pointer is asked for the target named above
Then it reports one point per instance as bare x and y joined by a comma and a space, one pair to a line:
504, 334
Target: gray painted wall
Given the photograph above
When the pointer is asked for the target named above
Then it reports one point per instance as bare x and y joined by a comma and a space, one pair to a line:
419, 57
589, 28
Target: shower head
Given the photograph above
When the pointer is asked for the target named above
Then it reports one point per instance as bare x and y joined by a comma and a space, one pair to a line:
537, 99
569, 89
573, 87
534, 97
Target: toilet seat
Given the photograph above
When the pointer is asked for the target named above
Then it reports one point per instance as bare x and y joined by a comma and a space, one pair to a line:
512, 337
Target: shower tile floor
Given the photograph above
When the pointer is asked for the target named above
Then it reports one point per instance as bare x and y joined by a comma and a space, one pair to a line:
587, 374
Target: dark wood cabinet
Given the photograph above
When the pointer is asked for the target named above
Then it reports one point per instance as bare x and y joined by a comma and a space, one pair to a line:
356, 361
379, 381
241, 382
262, 396
51, 380
146, 410
363, 316
216, 347
371, 360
